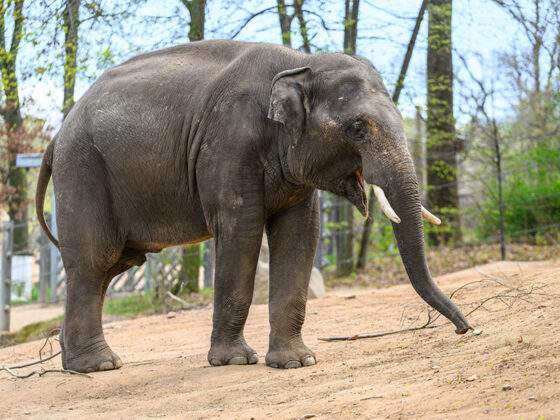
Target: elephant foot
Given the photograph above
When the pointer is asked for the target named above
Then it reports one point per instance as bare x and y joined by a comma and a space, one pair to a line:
290, 355
92, 358
232, 353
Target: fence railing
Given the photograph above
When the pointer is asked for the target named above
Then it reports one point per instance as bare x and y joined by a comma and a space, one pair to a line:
338, 247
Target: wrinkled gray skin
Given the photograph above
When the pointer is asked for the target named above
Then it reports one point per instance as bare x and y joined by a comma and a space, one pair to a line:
224, 139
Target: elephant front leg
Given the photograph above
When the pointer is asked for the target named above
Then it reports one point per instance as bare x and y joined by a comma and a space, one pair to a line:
292, 238
237, 253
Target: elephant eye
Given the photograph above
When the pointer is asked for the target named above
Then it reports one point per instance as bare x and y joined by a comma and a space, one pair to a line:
357, 130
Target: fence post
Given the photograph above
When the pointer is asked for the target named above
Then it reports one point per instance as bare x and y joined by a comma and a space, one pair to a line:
318, 261
148, 280
44, 264
6, 286
54, 256
209, 264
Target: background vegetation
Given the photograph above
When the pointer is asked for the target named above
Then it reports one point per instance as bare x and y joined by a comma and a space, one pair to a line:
483, 121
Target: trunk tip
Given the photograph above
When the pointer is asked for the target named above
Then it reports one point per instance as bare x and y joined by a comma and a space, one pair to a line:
463, 330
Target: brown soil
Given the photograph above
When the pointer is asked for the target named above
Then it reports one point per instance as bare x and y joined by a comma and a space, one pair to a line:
511, 369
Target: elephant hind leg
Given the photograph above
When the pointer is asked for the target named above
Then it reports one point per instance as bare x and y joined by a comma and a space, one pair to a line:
82, 338
84, 348
90, 246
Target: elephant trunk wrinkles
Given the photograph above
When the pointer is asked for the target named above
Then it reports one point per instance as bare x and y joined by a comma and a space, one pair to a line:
404, 196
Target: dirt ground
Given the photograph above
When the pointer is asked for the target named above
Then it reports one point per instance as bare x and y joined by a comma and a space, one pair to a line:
509, 367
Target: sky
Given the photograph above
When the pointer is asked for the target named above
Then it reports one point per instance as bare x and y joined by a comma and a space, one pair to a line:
480, 31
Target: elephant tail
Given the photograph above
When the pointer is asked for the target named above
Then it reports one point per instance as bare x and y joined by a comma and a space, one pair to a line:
42, 183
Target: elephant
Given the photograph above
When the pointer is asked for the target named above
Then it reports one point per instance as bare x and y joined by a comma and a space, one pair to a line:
225, 139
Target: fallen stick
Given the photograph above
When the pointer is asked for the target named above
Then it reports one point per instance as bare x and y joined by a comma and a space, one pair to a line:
178, 299
518, 293
65, 371
426, 325
36, 362
41, 372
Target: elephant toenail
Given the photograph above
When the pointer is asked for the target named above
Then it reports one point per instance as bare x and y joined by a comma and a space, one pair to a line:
238, 360
292, 364
106, 366
117, 362
215, 362
274, 365
254, 358
308, 361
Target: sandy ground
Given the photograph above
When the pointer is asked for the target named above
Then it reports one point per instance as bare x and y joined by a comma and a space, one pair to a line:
22, 315
509, 368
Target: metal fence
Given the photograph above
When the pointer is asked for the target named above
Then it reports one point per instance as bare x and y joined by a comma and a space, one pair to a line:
36, 273
43, 276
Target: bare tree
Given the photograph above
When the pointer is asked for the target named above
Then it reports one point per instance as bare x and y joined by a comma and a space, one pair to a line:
10, 110
191, 258
285, 23
344, 211
351, 10
71, 23
366, 233
197, 11
483, 120
535, 72
304, 32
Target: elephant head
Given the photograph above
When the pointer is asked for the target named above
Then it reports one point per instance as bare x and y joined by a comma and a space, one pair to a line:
343, 128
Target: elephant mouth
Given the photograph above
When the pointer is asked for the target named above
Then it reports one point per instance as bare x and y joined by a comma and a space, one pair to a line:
356, 192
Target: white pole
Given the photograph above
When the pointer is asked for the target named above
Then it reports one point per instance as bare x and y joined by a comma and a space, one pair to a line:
6, 278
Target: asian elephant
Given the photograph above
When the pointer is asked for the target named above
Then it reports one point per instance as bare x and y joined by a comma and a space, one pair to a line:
224, 139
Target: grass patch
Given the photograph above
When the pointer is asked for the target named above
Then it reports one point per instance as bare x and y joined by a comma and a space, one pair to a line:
148, 304
133, 305
138, 304
31, 332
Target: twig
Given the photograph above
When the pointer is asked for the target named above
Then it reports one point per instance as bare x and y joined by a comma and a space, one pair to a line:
65, 371
15, 375
47, 340
36, 362
510, 293
41, 372
426, 325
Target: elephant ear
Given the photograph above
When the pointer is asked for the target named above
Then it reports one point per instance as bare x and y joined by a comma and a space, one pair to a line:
288, 102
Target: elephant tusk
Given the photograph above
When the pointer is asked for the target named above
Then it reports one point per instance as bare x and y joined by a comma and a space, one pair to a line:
385, 206
430, 217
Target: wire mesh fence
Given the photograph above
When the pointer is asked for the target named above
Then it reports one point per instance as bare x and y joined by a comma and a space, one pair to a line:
33, 271
36, 271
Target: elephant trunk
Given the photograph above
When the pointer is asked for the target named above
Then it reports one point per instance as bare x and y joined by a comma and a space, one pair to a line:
404, 197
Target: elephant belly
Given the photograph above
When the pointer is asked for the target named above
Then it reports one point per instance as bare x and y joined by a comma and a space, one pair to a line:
156, 217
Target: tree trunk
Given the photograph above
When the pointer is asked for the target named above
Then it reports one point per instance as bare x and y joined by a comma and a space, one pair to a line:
11, 112
443, 194
306, 45
71, 22
344, 220
190, 265
418, 151
191, 260
285, 23
197, 12
366, 232
344, 210
499, 179
351, 9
